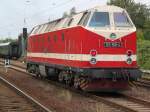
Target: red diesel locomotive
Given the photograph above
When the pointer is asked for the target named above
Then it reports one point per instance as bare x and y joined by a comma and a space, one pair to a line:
94, 50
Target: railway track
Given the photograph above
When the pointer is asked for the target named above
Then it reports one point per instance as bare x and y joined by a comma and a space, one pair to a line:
120, 101
12, 99
143, 83
130, 103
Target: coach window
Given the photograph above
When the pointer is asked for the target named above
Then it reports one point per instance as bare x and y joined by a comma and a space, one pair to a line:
100, 19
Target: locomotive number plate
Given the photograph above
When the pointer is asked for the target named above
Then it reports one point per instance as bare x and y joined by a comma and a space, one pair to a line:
112, 44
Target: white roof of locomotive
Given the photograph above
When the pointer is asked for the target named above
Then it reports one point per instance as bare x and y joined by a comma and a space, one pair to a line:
107, 8
77, 16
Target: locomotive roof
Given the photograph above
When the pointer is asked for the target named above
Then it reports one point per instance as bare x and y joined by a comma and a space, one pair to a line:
106, 8
64, 21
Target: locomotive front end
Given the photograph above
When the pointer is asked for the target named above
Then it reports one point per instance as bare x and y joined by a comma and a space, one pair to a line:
112, 38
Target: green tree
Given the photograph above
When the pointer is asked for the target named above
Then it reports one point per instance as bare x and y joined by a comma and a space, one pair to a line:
7, 40
147, 30
65, 14
72, 11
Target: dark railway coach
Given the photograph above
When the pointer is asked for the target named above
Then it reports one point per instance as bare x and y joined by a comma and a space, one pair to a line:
9, 50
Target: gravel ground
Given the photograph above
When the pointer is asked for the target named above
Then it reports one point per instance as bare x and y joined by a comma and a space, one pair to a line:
139, 92
136, 91
55, 98
11, 101
17, 63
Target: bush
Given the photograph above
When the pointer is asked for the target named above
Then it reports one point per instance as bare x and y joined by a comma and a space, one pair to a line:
147, 35
140, 35
143, 51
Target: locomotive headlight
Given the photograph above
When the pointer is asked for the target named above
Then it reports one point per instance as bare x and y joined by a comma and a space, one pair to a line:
93, 53
129, 61
93, 61
129, 53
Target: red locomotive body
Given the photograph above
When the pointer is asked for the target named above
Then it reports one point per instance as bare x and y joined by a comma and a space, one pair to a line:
94, 50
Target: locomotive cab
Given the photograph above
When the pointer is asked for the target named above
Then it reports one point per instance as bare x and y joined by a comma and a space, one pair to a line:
106, 21
116, 32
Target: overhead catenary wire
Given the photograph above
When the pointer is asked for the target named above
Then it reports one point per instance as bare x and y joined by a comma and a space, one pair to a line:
52, 8
41, 12
49, 11
12, 25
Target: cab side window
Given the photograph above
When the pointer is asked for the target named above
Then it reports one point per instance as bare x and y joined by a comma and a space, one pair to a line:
83, 21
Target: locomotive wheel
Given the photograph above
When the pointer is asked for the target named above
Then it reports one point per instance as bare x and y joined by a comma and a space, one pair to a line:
69, 82
76, 83
37, 71
41, 77
28, 68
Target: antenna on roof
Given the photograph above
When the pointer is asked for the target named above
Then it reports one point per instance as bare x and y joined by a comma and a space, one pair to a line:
72, 11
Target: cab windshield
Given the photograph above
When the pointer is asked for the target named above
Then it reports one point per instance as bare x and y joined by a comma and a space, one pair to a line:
121, 20
100, 19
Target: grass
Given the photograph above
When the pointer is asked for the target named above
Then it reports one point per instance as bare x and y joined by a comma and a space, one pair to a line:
143, 51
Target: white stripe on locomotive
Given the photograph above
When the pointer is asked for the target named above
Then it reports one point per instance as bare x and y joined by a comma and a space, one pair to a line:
81, 57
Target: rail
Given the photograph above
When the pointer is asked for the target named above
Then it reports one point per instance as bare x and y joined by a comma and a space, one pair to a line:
26, 96
125, 103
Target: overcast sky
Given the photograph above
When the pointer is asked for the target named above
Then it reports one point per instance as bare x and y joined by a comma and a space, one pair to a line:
14, 12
